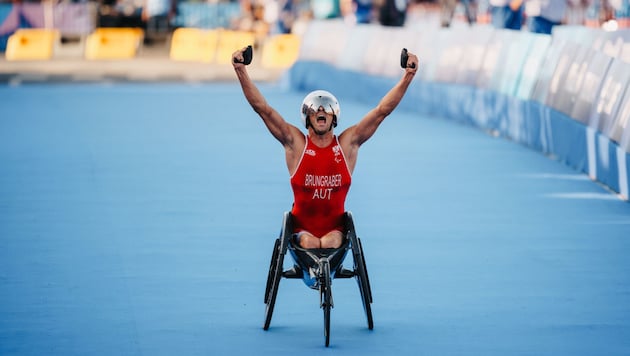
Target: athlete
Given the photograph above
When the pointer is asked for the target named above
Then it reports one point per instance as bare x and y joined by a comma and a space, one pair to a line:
320, 163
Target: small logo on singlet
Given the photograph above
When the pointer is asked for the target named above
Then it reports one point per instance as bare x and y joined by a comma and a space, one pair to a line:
310, 152
337, 151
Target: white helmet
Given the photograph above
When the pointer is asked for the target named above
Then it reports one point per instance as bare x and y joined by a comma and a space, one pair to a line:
320, 98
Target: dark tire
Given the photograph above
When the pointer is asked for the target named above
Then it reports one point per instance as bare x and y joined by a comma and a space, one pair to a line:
367, 276
360, 270
327, 302
272, 269
273, 282
364, 283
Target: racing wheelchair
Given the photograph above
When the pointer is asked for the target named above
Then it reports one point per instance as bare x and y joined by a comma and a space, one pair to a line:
317, 268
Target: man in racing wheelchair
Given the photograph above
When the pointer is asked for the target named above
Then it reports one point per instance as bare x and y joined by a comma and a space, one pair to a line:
320, 163
318, 231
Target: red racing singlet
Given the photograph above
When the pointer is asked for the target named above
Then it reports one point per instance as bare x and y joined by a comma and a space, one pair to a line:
320, 185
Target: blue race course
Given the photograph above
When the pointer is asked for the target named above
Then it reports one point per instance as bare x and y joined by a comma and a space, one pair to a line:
139, 219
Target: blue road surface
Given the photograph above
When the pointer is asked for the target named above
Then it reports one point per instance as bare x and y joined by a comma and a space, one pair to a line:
139, 219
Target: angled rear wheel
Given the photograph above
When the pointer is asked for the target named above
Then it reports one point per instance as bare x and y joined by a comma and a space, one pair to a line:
360, 270
275, 268
273, 282
364, 285
272, 270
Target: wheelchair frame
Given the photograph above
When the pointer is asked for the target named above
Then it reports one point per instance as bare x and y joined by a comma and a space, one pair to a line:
317, 268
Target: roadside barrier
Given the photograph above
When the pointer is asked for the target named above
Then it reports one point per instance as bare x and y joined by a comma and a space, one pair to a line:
566, 95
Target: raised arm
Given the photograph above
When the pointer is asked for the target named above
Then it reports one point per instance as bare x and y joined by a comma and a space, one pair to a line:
279, 128
289, 135
356, 135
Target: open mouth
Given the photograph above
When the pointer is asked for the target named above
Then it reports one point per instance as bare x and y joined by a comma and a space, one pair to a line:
321, 119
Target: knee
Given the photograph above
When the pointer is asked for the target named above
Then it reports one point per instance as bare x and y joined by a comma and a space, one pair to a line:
332, 240
309, 241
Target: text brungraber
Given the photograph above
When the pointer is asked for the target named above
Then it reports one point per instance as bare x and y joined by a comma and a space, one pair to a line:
323, 185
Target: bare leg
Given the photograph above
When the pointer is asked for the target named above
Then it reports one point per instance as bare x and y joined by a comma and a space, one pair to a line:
332, 239
307, 240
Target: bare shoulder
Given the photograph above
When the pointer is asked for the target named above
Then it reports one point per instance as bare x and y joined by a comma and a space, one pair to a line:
350, 146
297, 137
295, 141
348, 137
294, 148
286, 133
348, 140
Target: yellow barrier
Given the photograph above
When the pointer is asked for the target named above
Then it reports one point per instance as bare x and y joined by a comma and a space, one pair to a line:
113, 43
280, 51
230, 41
193, 44
31, 44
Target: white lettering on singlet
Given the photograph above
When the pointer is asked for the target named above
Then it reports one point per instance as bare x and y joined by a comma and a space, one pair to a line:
323, 184
321, 193
322, 181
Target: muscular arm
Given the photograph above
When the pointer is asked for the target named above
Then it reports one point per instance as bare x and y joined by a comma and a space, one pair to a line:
278, 127
356, 135
368, 125
289, 136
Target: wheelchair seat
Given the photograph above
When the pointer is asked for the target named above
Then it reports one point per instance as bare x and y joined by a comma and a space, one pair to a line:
310, 259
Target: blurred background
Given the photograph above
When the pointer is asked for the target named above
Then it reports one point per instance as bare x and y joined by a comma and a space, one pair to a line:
122, 204
75, 28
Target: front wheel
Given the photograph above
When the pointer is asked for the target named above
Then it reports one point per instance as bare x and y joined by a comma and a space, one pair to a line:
326, 299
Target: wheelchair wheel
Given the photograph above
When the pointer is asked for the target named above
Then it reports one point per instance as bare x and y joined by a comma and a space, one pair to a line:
326, 299
272, 269
360, 270
273, 282
363, 282
275, 268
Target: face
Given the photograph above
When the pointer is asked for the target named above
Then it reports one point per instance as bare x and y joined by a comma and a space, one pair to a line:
321, 121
